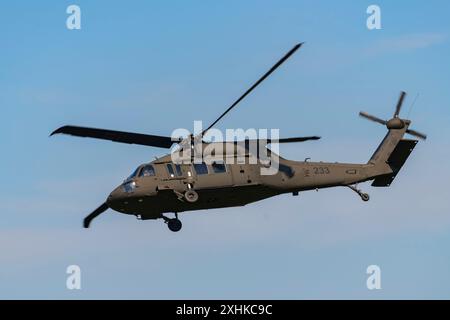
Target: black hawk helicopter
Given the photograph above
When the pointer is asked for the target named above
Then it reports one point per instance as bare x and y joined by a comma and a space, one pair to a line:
164, 186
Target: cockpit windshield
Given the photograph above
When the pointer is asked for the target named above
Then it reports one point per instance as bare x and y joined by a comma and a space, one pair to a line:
134, 174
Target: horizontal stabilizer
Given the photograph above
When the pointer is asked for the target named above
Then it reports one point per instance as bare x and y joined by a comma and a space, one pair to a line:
396, 161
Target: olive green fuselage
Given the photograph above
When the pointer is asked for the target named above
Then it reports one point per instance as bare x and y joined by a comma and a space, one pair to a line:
237, 185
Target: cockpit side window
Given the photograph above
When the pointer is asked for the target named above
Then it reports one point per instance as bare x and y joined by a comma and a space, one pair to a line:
147, 171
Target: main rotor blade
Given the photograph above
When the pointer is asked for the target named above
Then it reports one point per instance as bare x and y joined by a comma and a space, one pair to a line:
117, 136
399, 104
417, 134
371, 117
286, 56
293, 139
93, 215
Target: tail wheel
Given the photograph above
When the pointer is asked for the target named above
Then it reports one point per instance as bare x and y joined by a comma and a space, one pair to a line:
365, 197
174, 225
191, 196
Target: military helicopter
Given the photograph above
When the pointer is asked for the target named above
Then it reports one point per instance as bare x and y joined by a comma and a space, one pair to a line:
163, 186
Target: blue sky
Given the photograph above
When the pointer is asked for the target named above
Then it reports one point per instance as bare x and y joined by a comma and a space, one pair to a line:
155, 66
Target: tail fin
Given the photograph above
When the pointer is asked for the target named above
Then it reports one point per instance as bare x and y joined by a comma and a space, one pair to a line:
387, 146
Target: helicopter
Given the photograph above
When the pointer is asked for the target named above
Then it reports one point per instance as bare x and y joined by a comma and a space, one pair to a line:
166, 186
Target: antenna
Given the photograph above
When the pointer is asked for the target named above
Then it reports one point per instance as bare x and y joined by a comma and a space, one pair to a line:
412, 104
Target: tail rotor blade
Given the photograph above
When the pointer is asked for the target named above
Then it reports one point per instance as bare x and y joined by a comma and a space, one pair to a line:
417, 134
87, 221
372, 118
399, 104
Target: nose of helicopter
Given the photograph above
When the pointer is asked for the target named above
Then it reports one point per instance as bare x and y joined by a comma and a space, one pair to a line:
116, 197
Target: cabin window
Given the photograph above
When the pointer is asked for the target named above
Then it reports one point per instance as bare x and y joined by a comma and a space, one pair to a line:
170, 170
219, 167
178, 170
147, 171
200, 168
286, 170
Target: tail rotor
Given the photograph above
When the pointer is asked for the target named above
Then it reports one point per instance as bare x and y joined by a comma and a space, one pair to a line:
396, 122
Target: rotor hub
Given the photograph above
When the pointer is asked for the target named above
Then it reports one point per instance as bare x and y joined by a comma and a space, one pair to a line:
395, 123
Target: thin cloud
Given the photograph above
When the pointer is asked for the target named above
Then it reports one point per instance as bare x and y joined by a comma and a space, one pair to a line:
407, 42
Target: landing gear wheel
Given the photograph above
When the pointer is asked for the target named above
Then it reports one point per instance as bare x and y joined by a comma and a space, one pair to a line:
174, 225
191, 196
365, 197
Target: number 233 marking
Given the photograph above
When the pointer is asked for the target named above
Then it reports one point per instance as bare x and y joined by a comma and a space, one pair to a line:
321, 170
